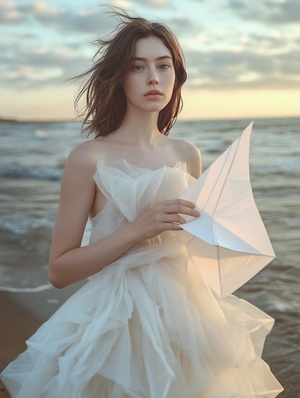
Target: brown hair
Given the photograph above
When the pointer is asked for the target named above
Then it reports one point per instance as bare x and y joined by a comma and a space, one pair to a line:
105, 99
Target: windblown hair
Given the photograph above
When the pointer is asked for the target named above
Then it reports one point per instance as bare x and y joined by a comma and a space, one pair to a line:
105, 101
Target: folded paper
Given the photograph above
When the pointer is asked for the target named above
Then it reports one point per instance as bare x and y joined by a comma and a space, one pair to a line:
228, 242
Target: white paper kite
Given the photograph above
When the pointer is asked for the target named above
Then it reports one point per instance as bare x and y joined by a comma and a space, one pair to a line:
228, 242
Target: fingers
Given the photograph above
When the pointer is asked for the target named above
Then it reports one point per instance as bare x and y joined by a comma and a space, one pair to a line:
181, 202
174, 218
164, 216
180, 206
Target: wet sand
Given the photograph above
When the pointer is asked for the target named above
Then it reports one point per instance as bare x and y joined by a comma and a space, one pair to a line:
17, 324
21, 314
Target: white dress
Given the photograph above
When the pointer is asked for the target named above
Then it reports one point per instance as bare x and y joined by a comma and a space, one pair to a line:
147, 325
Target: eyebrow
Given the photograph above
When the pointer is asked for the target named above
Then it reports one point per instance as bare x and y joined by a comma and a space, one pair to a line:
157, 59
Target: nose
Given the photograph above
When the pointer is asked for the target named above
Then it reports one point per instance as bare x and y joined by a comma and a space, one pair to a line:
152, 78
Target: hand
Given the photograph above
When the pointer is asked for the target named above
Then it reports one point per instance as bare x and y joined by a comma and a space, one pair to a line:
163, 216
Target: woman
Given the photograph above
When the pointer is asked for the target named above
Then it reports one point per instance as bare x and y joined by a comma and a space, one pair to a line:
145, 324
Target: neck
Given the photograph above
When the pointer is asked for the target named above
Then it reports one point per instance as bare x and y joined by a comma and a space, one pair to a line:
139, 127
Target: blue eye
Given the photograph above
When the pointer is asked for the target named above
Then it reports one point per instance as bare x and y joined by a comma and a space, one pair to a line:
137, 67
164, 66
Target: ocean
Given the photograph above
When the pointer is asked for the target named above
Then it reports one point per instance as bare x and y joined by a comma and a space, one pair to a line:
32, 157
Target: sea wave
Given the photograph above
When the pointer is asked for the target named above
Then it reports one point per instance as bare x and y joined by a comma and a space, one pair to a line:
21, 227
37, 289
30, 172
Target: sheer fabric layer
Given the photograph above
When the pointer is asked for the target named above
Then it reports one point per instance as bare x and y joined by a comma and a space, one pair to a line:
146, 326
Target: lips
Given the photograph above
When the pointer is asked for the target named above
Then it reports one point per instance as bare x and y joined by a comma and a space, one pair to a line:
153, 93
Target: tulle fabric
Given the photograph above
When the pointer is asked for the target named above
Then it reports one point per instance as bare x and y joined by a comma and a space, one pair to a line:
146, 326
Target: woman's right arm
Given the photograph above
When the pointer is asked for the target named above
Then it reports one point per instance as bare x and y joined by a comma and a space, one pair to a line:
69, 262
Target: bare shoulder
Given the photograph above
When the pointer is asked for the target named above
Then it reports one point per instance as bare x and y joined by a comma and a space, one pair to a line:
85, 155
188, 153
86, 152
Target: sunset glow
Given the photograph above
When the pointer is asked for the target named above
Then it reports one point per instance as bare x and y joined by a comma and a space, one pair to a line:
243, 58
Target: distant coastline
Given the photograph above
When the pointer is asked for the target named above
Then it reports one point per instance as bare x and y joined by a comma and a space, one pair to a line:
18, 121
8, 120
4, 120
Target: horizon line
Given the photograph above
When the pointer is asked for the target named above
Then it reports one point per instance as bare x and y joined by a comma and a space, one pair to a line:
185, 119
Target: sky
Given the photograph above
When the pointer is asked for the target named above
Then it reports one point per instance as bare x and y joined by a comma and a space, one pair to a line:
242, 56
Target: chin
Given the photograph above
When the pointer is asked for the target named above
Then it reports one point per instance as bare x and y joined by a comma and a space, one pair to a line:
156, 107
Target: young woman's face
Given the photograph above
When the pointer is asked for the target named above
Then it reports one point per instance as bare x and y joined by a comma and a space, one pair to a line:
149, 83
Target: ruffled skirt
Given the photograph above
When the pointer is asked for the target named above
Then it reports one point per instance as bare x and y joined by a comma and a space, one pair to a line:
149, 331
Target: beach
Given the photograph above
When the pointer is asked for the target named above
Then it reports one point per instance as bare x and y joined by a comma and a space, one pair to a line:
21, 314
18, 322
32, 156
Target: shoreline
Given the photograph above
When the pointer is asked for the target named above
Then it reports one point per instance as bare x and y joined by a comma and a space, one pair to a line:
21, 314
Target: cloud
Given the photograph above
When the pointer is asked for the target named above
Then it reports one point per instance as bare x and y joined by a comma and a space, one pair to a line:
215, 69
9, 14
225, 58
87, 22
34, 67
182, 25
122, 4
154, 3
269, 11
90, 21
225, 69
